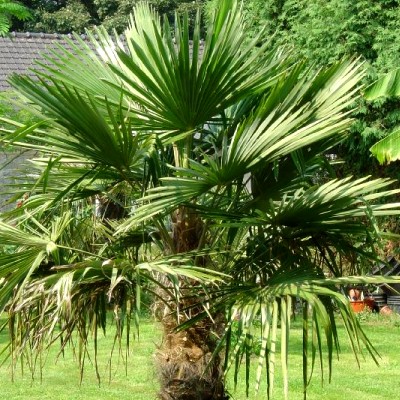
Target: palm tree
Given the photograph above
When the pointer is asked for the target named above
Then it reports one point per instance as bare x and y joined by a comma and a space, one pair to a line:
10, 9
215, 152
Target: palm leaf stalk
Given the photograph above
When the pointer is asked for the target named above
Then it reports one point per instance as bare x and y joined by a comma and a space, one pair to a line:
195, 172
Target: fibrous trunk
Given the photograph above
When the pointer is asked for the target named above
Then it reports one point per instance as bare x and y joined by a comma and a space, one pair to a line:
185, 362
185, 365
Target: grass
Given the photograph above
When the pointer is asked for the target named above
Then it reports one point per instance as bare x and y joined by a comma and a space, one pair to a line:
61, 377
348, 380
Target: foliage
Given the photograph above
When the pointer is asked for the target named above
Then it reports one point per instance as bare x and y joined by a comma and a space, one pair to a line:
117, 17
197, 172
365, 28
324, 32
68, 16
73, 17
388, 148
11, 9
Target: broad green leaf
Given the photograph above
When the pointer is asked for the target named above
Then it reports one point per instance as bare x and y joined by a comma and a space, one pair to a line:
387, 86
388, 148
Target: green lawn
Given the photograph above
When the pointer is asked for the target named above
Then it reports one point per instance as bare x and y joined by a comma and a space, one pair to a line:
61, 378
348, 381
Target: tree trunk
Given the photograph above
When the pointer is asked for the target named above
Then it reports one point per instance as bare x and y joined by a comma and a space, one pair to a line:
185, 365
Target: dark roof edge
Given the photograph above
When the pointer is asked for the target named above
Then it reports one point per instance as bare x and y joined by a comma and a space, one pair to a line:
41, 35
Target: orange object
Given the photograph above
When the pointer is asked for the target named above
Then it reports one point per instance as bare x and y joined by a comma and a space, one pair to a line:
357, 305
361, 305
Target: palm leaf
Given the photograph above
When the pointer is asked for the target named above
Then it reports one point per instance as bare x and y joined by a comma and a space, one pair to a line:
164, 77
264, 304
283, 124
88, 58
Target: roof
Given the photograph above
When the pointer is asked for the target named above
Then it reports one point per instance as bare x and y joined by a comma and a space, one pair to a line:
18, 52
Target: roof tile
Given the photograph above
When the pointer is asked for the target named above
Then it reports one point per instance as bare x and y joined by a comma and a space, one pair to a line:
19, 51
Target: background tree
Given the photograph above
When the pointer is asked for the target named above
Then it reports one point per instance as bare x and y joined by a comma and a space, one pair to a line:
115, 15
66, 16
216, 154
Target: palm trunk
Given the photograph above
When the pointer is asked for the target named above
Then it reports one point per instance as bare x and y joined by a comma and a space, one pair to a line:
186, 368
